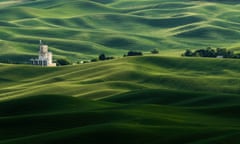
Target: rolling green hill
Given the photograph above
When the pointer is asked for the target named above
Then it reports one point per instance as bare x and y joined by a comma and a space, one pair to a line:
148, 99
81, 29
142, 100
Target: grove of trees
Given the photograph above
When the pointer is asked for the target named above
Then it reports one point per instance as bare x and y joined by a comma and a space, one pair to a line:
134, 53
210, 52
104, 57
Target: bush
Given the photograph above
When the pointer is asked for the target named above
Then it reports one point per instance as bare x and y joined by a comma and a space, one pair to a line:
134, 53
188, 53
103, 57
94, 60
154, 51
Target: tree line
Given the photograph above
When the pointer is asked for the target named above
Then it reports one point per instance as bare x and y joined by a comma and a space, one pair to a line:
64, 61
103, 57
211, 52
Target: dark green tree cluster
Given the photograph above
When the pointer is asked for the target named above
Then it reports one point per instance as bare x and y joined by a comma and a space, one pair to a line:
154, 51
104, 57
94, 60
133, 53
210, 52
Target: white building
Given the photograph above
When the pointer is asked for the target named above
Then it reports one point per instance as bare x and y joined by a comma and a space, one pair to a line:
44, 58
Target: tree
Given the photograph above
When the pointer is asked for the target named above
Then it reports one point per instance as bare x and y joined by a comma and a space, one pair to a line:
134, 53
210, 52
94, 60
63, 62
188, 53
225, 53
154, 51
102, 57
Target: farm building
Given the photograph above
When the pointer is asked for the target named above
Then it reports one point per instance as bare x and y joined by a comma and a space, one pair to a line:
45, 57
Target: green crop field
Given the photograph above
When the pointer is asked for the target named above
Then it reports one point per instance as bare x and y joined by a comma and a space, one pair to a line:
82, 29
151, 99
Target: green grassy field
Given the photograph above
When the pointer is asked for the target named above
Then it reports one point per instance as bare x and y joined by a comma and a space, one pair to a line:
82, 29
150, 99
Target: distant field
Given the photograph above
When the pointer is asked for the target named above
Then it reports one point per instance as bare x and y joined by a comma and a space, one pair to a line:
147, 99
82, 29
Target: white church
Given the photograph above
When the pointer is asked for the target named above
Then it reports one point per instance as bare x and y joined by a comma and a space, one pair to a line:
44, 58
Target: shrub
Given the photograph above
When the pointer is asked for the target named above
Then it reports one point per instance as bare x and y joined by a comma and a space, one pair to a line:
154, 51
94, 60
102, 57
134, 53
187, 53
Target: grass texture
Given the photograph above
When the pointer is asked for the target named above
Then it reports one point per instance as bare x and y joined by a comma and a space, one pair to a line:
148, 99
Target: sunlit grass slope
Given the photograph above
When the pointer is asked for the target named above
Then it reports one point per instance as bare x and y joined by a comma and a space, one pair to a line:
80, 29
147, 99
121, 75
